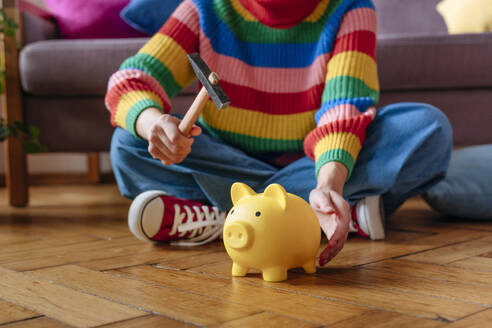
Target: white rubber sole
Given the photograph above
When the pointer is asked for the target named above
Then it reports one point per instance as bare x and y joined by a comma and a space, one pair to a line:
371, 216
137, 210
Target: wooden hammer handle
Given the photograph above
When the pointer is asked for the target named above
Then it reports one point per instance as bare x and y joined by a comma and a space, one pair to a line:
194, 112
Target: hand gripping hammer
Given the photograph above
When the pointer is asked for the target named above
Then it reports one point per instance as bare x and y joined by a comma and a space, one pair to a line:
210, 82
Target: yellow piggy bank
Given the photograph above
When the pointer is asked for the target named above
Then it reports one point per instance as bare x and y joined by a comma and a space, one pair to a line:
271, 232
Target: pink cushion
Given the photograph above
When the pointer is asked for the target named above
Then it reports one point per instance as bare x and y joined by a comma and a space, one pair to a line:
90, 19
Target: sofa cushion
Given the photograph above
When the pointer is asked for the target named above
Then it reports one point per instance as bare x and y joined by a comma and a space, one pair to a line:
82, 19
466, 191
147, 16
435, 62
466, 16
73, 67
411, 63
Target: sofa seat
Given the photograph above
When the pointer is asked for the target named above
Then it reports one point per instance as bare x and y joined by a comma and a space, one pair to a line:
44, 65
405, 63
435, 62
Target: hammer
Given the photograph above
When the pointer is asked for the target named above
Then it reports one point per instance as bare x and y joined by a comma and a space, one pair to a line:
210, 82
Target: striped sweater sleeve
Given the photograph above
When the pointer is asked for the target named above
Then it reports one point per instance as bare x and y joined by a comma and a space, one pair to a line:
157, 72
350, 93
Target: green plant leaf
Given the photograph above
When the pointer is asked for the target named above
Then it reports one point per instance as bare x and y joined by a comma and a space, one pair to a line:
12, 24
34, 131
33, 146
13, 130
22, 128
4, 132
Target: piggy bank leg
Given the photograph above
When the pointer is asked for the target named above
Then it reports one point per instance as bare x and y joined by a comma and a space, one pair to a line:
310, 267
238, 270
275, 274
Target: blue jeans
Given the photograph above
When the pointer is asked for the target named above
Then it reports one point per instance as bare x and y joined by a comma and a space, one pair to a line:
407, 150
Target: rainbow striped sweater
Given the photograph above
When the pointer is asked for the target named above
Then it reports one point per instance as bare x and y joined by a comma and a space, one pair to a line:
312, 86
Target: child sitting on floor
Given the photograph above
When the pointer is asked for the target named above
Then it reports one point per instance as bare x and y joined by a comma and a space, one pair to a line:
302, 79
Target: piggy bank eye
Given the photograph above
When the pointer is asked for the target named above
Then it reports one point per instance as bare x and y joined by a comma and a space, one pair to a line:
232, 211
258, 213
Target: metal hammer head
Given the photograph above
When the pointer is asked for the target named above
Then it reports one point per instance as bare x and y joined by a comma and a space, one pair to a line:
209, 80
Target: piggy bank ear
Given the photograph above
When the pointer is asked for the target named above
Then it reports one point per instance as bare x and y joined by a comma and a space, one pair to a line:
240, 190
277, 192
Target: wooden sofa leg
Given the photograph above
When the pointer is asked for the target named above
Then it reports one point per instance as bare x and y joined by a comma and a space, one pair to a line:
93, 168
16, 173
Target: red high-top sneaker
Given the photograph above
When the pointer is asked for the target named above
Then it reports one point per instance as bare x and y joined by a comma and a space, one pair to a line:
155, 216
368, 218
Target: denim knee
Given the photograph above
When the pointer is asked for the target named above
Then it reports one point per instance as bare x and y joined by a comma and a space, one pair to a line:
439, 136
443, 133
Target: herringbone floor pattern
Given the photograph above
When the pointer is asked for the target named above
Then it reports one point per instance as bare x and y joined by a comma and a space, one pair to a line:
69, 260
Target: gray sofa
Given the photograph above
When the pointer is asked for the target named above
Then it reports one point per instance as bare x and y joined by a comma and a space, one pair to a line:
64, 81
419, 61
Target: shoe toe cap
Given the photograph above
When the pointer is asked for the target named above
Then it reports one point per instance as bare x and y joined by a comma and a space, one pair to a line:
146, 214
151, 217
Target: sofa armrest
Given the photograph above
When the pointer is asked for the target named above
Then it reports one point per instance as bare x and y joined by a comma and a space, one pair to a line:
435, 62
35, 28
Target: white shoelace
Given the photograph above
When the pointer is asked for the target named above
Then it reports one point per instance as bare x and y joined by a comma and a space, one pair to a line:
206, 228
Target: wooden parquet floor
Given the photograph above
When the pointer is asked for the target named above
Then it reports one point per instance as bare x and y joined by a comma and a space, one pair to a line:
69, 260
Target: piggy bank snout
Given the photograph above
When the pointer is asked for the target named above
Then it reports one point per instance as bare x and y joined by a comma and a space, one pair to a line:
238, 235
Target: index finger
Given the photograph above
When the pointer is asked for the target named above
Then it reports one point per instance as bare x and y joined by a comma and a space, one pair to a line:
334, 246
